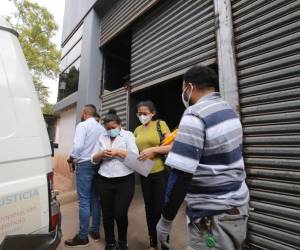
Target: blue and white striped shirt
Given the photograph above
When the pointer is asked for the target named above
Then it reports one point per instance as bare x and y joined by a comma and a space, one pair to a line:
209, 146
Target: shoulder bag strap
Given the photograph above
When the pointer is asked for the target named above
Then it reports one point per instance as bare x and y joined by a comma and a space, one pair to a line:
158, 128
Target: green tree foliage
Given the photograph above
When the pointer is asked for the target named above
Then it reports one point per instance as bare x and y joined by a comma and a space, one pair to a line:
36, 26
48, 109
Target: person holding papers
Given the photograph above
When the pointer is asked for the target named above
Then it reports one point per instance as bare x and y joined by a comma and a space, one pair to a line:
116, 180
149, 137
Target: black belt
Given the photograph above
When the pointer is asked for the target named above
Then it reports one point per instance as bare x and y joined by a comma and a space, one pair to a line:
202, 224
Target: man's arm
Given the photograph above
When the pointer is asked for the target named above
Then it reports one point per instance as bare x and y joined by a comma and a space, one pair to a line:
78, 142
178, 184
184, 159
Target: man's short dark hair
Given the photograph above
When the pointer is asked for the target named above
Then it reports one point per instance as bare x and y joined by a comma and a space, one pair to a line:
96, 115
201, 77
92, 108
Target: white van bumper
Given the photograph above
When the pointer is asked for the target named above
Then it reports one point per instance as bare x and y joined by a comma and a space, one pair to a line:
33, 241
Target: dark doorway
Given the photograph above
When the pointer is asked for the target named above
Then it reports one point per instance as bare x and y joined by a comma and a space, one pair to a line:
116, 56
167, 99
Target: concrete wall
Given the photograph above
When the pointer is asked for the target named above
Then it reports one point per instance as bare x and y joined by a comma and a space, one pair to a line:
63, 179
66, 129
75, 10
91, 63
88, 89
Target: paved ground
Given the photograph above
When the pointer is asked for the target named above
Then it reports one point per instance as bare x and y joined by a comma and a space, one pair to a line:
137, 234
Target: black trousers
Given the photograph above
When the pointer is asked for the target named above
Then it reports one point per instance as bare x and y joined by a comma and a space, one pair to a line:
116, 195
153, 188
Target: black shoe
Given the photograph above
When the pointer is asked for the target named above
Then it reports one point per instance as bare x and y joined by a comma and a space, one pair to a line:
94, 235
122, 245
77, 242
153, 242
111, 247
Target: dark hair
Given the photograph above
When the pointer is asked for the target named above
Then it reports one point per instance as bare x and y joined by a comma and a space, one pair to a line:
149, 104
112, 117
92, 108
96, 115
201, 77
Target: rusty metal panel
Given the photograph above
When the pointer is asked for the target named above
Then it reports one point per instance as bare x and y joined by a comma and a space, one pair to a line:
171, 38
267, 41
118, 100
121, 15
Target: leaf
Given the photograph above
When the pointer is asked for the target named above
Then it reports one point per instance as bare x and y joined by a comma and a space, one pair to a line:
36, 26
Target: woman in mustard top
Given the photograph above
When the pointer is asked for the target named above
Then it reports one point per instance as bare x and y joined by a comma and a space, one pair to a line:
148, 139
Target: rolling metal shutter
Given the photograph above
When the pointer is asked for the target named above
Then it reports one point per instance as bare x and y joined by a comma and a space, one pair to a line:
267, 39
117, 100
123, 13
173, 37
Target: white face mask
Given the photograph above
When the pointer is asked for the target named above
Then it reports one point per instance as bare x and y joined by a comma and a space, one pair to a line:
186, 103
144, 119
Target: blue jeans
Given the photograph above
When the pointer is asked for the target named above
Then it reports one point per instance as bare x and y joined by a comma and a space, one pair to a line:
95, 208
85, 175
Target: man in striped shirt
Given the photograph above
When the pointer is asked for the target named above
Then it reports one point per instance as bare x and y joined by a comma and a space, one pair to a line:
208, 169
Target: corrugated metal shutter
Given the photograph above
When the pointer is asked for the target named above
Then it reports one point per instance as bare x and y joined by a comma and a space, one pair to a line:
174, 36
121, 15
117, 99
267, 37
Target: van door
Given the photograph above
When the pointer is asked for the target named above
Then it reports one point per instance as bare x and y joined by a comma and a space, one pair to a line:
25, 155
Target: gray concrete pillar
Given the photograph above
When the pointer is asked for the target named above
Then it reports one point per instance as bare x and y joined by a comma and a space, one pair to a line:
90, 64
226, 54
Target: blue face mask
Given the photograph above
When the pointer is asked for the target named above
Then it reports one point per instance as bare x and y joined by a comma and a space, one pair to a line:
113, 132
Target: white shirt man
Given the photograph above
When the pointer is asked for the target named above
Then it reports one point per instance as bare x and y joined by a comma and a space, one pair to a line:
86, 135
85, 139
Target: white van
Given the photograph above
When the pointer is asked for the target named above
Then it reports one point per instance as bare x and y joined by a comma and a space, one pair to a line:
29, 212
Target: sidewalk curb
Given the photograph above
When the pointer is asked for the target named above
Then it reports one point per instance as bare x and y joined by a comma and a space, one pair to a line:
68, 197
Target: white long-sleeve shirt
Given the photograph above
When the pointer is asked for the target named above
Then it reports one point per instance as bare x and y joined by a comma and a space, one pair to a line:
86, 136
115, 167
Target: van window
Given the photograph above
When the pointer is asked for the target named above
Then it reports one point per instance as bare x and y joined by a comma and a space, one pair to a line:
7, 114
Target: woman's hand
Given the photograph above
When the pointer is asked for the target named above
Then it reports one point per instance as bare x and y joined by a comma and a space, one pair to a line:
112, 153
148, 153
101, 155
121, 153
107, 153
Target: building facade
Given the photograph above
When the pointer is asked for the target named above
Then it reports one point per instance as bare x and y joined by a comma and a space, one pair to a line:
117, 53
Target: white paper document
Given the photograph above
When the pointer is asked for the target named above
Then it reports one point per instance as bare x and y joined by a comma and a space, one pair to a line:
142, 167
